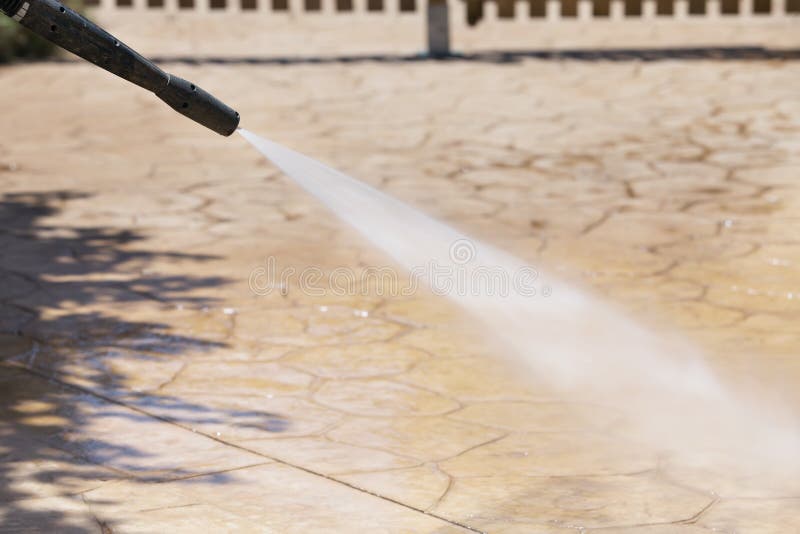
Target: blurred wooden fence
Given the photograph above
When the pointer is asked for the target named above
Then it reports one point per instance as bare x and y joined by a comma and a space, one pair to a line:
545, 10
439, 17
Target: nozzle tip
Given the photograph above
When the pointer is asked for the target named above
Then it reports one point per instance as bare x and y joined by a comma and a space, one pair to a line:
200, 106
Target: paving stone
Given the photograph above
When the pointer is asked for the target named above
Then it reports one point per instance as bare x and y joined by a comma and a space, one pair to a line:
127, 256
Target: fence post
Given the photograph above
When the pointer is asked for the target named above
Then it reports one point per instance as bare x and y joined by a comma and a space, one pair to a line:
552, 10
585, 8
458, 13
522, 10
438, 28
491, 11
296, 8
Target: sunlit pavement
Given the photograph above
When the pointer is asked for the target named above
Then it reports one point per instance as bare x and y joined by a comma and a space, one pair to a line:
152, 389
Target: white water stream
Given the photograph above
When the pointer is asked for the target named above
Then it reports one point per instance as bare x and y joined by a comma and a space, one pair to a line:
569, 339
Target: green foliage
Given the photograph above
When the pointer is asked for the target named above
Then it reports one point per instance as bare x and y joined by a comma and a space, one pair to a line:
18, 43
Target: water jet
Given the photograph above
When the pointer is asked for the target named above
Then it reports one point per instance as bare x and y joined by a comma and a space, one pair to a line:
582, 346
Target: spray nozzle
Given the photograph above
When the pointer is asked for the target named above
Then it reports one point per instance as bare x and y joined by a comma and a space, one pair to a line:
189, 100
70, 30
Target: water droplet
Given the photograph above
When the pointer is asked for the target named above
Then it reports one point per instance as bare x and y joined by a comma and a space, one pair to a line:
229, 311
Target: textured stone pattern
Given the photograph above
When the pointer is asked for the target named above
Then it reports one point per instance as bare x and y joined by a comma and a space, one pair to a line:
152, 390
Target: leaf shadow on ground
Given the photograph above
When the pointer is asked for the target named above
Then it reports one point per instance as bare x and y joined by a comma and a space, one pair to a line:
60, 290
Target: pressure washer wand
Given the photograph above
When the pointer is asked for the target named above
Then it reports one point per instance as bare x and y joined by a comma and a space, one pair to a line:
73, 32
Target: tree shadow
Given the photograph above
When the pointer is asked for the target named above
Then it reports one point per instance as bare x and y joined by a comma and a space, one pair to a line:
59, 287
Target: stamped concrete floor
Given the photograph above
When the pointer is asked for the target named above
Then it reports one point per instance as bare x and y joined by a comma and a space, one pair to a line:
151, 390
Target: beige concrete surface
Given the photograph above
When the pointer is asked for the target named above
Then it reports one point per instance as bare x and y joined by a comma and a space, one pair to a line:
150, 390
